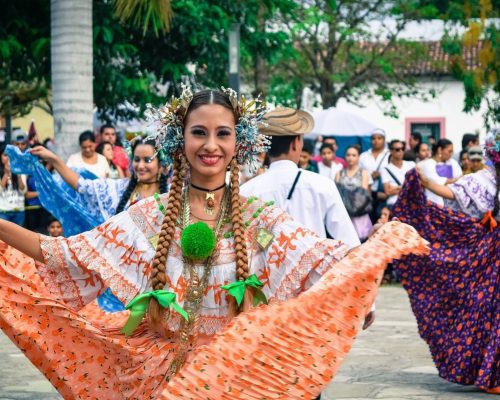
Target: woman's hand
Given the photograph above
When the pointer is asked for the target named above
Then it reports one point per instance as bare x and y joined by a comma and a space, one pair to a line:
423, 179
44, 154
70, 176
369, 319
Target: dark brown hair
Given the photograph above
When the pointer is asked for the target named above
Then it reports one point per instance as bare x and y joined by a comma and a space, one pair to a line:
173, 209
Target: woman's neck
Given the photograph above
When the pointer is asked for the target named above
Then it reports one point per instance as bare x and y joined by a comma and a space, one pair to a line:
146, 189
397, 163
93, 157
352, 167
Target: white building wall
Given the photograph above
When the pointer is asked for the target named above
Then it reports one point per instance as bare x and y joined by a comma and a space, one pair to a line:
448, 104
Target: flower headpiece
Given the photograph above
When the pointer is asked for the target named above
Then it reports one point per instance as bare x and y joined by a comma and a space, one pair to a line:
492, 145
168, 124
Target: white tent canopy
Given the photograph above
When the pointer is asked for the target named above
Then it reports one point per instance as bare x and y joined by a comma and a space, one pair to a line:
334, 122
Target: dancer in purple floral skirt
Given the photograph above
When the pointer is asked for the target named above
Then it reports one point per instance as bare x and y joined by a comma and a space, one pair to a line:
454, 291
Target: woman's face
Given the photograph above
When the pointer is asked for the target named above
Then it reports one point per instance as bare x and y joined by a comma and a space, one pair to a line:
352, 157
447, 152
465, 162
145, 163
327, 156
55, 229
87, 148
210, 141
107, 151
423, 152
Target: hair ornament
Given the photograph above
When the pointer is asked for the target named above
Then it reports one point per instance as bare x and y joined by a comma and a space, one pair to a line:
492, 145
249, 141
167, 122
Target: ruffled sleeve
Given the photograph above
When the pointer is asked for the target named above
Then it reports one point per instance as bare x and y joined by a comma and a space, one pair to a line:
474, 193
102, 194
116, 254
295, 259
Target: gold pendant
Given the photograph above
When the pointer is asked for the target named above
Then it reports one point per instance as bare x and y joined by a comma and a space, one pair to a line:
264, 238
209, 203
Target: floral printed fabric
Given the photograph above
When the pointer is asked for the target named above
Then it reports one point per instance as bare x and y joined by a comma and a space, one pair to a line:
292, 349
83, 354
454, 292
474, 193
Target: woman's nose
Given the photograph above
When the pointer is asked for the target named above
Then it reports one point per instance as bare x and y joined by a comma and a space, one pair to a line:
211, 143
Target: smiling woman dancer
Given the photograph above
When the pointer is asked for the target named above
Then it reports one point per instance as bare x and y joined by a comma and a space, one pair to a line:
189, 262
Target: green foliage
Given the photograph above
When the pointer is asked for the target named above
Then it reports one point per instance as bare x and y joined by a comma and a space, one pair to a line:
24, 56
481, 76
145, 13
333, 50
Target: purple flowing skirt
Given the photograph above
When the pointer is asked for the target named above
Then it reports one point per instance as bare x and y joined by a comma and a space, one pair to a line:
454, 292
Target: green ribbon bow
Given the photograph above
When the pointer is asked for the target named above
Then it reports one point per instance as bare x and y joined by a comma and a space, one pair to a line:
237, 290
139, 305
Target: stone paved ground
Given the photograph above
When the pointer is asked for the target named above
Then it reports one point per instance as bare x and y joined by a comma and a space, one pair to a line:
389, 361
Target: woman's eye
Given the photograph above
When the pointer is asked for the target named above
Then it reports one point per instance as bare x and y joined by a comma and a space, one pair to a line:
197, 132
224, 133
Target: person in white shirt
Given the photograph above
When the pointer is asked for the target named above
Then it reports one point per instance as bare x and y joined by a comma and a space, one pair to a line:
312, 199
88, 158
393, 174
441, 168
376, 158
315, 200
12, 190
328, 166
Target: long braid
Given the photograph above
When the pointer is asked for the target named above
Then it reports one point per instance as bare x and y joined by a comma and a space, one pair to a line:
158, 278
126, 195
242, 267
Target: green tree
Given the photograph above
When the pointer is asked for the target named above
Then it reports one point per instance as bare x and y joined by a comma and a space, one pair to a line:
335, 50
481, 78
24, 57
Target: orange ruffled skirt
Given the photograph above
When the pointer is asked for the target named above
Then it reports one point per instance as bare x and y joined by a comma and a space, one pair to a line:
287, 350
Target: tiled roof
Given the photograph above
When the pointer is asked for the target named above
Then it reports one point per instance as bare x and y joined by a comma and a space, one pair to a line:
439, 61
413, 61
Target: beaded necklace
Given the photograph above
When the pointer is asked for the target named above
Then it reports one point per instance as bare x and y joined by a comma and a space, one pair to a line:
189, 329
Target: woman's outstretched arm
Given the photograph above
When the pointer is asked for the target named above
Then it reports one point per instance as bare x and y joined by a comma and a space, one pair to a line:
24, 240
70, 176
441, 190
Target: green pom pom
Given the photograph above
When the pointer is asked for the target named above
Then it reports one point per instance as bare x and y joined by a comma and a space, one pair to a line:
197, 241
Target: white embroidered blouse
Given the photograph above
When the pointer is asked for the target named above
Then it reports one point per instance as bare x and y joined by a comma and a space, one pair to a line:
119, 253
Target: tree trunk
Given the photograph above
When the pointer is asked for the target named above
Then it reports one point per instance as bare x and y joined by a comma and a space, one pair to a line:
327, 93
8, 128
260, 65
71, 71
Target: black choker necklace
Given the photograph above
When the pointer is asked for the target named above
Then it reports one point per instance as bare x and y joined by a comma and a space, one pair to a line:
209, 198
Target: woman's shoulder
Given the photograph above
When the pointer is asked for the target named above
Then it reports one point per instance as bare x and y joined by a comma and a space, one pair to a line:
255, 211
75, 157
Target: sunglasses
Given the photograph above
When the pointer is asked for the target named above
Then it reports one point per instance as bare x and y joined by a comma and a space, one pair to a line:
475, 153
397, 149
147, 160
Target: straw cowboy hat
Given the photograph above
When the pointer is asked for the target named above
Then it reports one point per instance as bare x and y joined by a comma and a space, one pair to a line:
285, 121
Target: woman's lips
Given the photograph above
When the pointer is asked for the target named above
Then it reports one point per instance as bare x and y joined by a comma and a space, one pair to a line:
209, 160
